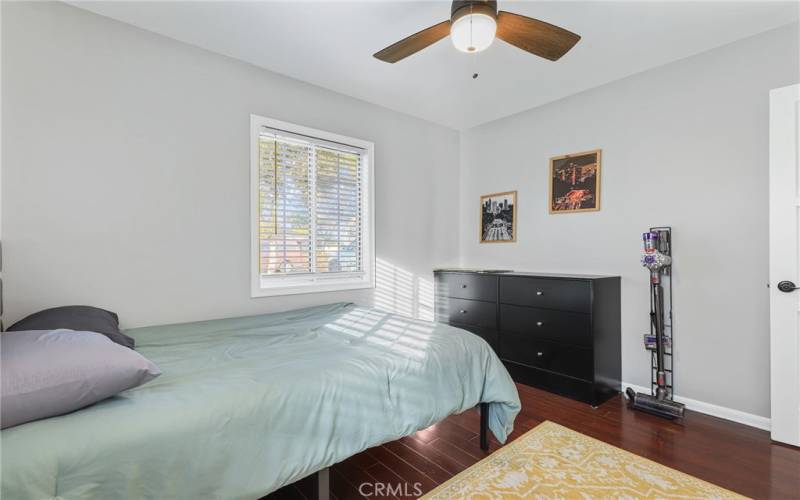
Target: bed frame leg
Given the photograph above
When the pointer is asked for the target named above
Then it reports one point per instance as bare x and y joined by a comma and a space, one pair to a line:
324, 484
485, 426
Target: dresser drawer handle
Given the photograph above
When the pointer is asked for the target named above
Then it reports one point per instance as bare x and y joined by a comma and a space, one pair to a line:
539, 292
539, 323
462, 311
540, 354
463, 286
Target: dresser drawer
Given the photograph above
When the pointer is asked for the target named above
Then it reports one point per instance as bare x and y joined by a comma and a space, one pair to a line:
467, 286
467, 312
566, 295
558, 358
546, 324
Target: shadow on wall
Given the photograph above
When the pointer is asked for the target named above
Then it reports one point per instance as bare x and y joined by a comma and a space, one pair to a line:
401, 292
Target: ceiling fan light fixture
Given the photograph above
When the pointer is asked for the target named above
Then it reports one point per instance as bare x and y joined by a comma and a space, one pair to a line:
473, 26
473, 32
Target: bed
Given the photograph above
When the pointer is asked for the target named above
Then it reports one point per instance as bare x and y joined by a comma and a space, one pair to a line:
247, 405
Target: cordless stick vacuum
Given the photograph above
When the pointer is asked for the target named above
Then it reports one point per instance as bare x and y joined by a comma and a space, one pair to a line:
659, 404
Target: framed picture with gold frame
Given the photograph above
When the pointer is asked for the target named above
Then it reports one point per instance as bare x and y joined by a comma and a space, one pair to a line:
574, 184
498, 218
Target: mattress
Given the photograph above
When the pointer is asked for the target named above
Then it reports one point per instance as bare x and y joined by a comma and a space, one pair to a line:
247, 405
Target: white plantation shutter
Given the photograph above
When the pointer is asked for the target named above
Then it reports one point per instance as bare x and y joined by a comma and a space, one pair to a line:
285, 215
310, 204
338, 211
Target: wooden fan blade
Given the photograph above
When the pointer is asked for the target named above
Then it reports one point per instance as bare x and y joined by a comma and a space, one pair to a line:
414, 43
537, 37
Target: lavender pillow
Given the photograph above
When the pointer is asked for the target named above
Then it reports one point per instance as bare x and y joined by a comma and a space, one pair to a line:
44, 373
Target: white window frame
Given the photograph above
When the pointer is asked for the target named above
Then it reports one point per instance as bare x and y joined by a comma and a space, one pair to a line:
312, 283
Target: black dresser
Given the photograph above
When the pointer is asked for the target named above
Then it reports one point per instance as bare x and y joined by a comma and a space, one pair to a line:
557, 332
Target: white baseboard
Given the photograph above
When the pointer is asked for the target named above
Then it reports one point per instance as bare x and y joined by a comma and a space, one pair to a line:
712, 409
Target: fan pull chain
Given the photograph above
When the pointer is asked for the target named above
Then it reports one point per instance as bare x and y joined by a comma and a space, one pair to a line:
475, 54
476, 61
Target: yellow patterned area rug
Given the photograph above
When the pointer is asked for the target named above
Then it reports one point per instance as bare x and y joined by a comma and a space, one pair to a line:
553, 462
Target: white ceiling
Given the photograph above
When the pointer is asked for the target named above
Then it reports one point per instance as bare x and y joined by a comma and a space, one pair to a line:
331, 43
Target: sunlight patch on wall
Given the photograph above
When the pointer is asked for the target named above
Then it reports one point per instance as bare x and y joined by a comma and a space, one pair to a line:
425, 299
401, 292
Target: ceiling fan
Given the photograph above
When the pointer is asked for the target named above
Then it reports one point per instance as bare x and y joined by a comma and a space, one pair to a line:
473, 26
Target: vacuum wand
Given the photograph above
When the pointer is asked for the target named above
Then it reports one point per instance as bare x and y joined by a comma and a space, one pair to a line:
658, 404
657, 317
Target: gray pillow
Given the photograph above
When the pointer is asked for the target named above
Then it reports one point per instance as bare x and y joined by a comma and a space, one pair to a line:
51, 372
80, 318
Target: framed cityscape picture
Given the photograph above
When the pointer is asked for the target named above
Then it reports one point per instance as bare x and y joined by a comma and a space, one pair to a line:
575, 183
498, 222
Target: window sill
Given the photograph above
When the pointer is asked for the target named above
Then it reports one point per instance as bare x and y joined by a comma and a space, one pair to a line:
295, 287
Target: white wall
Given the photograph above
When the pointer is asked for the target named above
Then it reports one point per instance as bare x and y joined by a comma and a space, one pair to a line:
125, 168
683, 145
125, 185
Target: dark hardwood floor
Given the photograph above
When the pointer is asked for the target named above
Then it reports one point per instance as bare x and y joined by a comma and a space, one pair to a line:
734, 456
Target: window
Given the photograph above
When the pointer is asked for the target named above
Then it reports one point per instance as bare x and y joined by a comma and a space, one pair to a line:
312, 216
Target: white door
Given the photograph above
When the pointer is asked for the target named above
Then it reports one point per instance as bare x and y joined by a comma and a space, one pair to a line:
784, 263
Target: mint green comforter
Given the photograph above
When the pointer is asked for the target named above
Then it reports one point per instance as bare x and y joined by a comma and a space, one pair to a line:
247, 405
